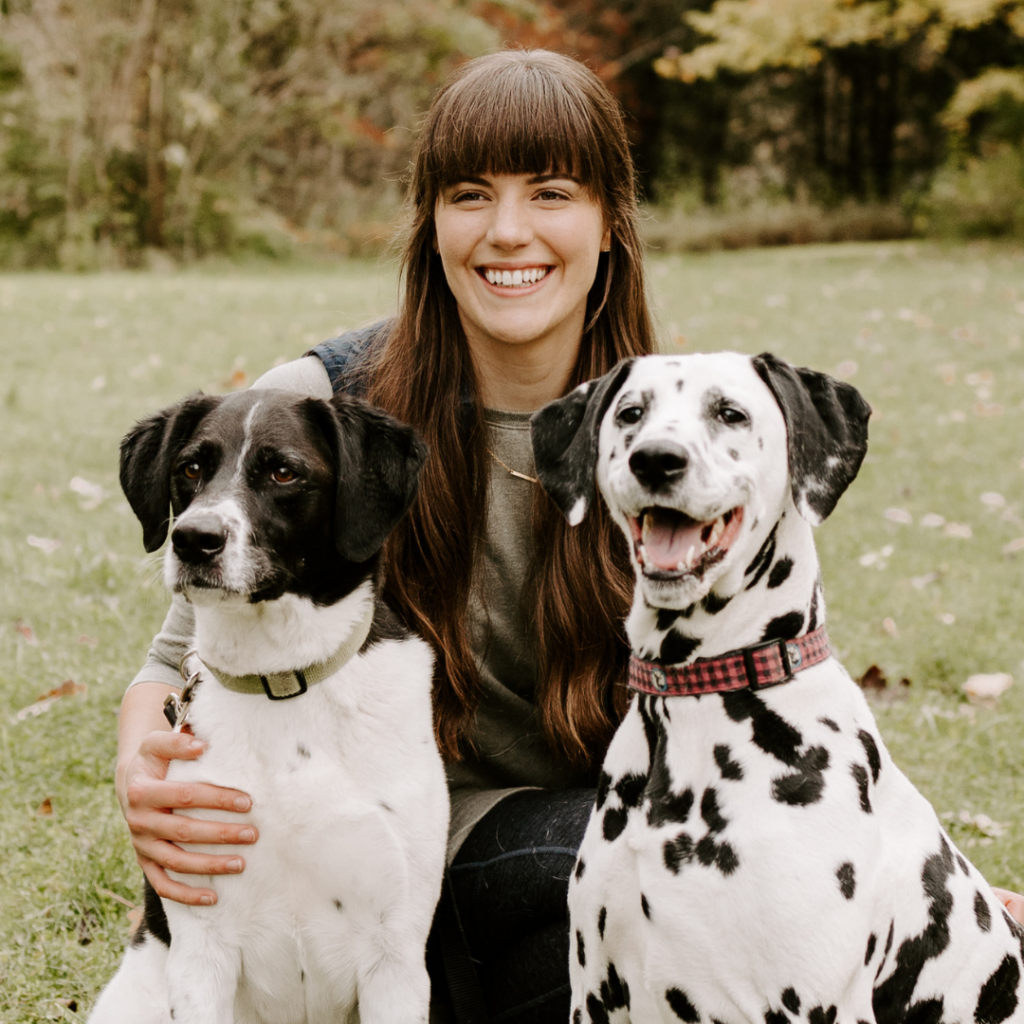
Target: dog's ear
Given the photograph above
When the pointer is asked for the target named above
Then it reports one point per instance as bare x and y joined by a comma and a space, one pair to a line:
379, 462
565, 438
827, 427
147, 453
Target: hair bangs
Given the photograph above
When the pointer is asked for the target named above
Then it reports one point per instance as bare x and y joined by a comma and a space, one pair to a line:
523, 120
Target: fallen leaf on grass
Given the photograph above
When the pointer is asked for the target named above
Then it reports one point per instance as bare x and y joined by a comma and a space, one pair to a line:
1015, 545
982, 823
45, 809
46, 701
899, 515
874, 682
92, 493
986, 409
26, 632
932, 521
985, 688
87, 641
45, 544
238, 379
993, 499
947, 618
961, 530
889, 625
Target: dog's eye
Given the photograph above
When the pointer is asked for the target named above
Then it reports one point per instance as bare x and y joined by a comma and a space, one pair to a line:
282, 475
631, 414
731, 416
192, 470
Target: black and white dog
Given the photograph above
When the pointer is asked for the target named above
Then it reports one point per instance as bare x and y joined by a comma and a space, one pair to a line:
753, 855
311, 698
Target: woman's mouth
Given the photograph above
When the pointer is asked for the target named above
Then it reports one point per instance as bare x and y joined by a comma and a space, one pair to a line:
519, 278
669, 544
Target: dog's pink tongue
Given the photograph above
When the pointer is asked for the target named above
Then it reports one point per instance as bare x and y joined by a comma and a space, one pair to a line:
667, 538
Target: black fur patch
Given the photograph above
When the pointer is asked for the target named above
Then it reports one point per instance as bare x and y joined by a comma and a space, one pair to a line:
614, 823
819, 1015
891, 999
870, 951
847, 880
303, 750
775, 1017
762, 560
580, 868
730, 769
807, 784
681, 1005
604, 785
581, 950
828, 722
871, 749
598, 1014
154, 920
812, 615
998, 996
981, 913
791, 1001
645, 906
602, 920
785, 627
677, 647
780, 573
630, 789
386, 625
713, 604
860, 775
614, 991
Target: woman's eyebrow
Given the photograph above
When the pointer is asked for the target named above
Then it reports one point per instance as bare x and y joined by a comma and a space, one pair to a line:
539, 179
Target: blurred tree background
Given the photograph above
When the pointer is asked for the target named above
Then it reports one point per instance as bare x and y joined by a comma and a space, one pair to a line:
135, 131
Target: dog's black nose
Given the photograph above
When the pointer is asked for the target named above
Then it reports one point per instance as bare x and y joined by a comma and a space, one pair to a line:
199, 539
658, 464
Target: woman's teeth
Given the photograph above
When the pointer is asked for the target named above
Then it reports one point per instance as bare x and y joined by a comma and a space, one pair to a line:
515, 278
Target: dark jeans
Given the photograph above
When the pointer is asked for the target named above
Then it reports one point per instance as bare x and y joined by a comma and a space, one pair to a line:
509, 881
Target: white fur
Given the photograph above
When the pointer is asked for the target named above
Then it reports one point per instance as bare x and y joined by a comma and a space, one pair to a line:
734, 941
361, 820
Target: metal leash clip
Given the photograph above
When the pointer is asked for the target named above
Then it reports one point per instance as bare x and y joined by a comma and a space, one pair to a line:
176, 706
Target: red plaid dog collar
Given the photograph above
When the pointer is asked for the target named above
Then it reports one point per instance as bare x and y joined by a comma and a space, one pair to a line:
755, 667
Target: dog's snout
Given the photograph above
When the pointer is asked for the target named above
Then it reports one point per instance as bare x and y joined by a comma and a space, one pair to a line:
199, 539
658, 464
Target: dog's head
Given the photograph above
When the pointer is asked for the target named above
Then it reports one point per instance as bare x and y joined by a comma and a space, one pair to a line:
271, 493
695, 454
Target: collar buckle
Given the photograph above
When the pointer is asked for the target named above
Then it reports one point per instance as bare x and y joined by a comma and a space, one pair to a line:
750, 665
300, 678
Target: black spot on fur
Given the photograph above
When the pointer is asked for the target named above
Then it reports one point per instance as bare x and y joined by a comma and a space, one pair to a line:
812, 615
847, 880
762, 560
828, 722
303, 750
807, 784
963, 864
998, 996
928, 1011
614, 991
630, 789
710, 813
713, 604
580, 868
870, 951
791, 1001
734, 455
981, 913
775, 1017
154, 920
598, 1014
577, 1015
337, 904
645, 906
665, 805
670, 807
604, 785
780, 573
677, 647
722, 855
581, 951
681, 1005
679, 385
860, 775
819, 1015
677, 852
891, 999
785, 627
871, 749
666, 618
730, 769
614, 823
602, 920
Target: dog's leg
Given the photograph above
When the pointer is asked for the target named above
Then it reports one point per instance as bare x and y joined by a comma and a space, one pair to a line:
202, 976
137, 994
395, 990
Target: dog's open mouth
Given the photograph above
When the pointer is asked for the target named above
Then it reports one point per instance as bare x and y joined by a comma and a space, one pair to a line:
670, 545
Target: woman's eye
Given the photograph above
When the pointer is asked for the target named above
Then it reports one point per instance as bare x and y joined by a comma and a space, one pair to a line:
549, 195
282, 475
631, 414
468, 197
192, 470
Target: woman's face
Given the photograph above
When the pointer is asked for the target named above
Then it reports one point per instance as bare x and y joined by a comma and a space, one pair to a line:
520, 254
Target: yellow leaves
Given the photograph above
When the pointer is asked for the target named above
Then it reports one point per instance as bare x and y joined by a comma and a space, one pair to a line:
982, 93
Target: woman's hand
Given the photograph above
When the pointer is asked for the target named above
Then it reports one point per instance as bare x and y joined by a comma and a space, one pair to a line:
148, 800
1013, 903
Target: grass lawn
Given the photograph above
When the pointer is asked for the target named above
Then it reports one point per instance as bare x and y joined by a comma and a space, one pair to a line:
934, 338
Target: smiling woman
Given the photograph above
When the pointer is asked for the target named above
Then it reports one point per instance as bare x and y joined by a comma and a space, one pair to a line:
522, 278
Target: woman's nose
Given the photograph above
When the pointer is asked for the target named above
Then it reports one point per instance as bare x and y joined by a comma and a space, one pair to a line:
510, 227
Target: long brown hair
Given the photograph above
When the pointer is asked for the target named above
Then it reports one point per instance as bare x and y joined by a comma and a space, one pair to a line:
514, 112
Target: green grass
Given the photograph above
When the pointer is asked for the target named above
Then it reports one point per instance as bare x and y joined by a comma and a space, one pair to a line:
82, 357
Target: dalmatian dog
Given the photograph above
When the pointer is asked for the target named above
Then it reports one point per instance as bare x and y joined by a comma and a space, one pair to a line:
753, 856
311, 697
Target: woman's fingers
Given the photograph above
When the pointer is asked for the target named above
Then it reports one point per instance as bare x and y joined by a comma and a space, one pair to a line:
1013, 902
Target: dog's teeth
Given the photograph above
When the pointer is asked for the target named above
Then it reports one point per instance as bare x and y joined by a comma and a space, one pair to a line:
717, 532
641, 554
690, 557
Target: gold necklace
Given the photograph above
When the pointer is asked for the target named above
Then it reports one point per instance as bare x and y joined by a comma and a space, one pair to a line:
515, 473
